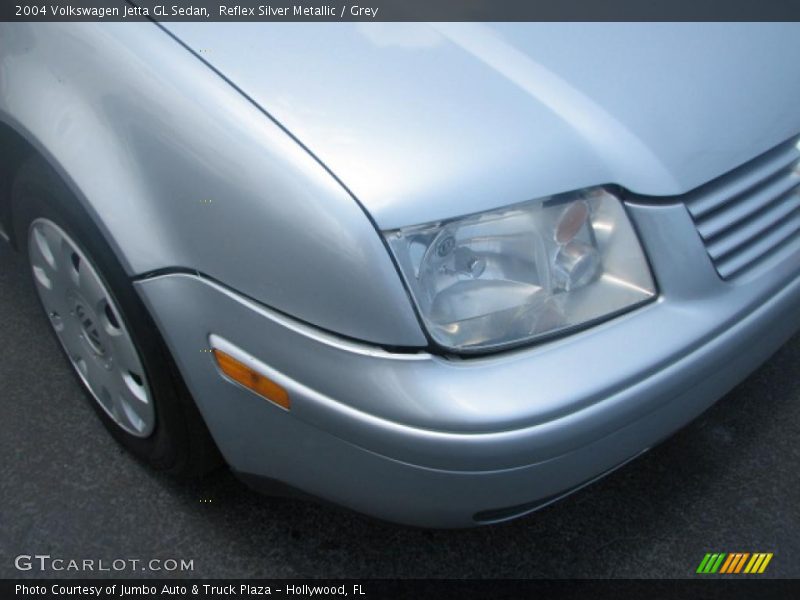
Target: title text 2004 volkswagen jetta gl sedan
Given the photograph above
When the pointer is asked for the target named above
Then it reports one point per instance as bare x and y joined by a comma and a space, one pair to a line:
438, 274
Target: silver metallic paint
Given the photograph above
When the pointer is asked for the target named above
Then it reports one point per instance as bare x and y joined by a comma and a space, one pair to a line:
419, 123
145, 133
429, 121
434, 441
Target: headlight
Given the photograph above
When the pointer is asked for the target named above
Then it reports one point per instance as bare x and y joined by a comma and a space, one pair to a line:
522, 272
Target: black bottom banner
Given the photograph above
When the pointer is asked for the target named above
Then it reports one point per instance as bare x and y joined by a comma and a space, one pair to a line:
460, 589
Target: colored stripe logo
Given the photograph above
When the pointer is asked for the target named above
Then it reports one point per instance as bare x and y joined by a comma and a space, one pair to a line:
734, 563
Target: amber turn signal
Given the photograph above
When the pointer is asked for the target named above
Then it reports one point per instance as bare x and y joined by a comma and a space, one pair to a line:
252, 380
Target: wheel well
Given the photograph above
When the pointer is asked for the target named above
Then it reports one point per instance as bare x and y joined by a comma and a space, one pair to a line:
14, 149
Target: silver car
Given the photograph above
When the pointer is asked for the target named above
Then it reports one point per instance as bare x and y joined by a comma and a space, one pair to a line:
441, 274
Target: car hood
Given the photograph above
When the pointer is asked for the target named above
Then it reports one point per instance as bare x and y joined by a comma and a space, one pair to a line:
430, 121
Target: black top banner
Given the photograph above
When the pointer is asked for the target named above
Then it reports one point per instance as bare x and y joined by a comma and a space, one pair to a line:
400, 10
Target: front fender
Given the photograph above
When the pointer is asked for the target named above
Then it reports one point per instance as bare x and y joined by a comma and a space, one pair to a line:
182, 171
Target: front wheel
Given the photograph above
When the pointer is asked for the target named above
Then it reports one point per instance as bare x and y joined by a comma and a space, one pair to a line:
104, 329
85, 318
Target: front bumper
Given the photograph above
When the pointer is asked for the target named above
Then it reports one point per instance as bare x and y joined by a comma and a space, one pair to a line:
432, 441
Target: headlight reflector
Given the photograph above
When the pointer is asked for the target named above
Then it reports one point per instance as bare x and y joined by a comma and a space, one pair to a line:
503, 277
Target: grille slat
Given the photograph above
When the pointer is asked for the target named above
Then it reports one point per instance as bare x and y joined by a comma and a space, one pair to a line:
719, 193
745, 216
749, 230
731, 266
738, 211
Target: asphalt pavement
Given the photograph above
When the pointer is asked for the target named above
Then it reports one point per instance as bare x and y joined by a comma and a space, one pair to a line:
728, 482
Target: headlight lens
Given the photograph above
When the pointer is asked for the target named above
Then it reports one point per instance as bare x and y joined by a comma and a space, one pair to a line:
530, 270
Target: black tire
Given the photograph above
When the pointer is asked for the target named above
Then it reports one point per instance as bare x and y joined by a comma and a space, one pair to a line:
180, 443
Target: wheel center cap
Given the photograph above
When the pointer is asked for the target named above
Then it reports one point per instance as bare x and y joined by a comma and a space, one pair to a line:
88, 325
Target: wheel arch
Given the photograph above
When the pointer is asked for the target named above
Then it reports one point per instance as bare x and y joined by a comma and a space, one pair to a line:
17, 146
15, 149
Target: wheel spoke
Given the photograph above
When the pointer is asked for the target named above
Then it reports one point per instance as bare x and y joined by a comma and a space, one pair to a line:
50, 256
70, 337
53, 300
100, 378
134, 402
42, 248
61, 251
58, 246
125, 356
42, 260
91, 288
